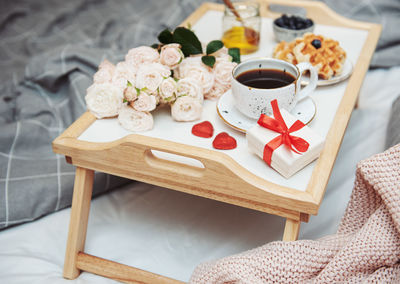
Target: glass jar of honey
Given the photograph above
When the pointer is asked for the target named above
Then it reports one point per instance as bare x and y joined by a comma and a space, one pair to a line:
242, 32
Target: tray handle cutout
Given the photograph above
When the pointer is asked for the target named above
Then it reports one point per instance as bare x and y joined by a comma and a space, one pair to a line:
174, 162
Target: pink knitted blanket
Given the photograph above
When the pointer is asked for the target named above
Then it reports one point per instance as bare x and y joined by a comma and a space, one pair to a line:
366, 247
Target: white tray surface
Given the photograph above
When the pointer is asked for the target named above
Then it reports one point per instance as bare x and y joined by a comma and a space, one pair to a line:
208, 28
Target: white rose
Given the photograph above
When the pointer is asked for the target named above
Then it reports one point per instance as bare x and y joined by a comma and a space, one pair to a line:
141, 55
186, 64
167, 90
150, 76
194, 68
189, 87
124, 73
171, 55
102, 76
145, 102
186, 109
130, 93
134, 120
104, 100
223, 72
216, 91
105, 72
106, 64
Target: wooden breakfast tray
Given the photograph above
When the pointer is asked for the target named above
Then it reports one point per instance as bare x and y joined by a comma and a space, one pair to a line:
171, 157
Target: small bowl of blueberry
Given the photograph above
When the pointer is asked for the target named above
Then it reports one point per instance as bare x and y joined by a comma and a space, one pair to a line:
287, 28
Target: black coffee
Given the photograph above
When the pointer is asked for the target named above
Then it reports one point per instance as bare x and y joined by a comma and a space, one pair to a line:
265, 78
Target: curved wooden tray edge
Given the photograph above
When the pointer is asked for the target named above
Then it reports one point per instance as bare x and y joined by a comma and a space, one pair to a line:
222, 178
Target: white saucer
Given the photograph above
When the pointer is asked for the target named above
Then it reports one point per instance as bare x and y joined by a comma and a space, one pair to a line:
304, 111
347, 70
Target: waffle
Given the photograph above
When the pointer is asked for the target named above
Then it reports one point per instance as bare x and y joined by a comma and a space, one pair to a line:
328, 59
284, 51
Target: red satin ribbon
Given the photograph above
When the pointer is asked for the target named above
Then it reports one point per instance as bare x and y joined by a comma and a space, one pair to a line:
277, 124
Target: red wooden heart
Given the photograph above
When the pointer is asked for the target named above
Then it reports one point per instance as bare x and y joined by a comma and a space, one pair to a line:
224, 141
203, 129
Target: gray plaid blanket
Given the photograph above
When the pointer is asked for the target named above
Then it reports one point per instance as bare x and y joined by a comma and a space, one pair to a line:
49, 51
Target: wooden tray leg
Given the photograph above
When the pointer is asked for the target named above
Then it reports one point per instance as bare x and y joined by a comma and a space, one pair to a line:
292, 228
82, 196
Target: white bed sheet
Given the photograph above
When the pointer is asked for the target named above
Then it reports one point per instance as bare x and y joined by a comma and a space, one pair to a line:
169, 232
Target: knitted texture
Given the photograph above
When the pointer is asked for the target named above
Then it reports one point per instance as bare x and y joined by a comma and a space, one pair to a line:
365, 249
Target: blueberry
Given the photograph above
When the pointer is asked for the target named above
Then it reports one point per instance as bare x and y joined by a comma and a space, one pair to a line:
316, 43
286, 20
309, 23
293, 22
299, 26
279, 22
297, 19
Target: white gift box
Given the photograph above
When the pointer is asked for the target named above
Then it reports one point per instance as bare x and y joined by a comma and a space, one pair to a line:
284, 160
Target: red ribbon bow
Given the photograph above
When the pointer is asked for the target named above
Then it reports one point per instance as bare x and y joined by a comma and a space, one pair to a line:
277, 124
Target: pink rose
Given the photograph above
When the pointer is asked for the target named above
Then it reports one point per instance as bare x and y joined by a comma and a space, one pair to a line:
104, 100
141, 55
149, 76
216, 91
190, 87
105, 72
171, 55
123, 73
105, 64
130, 94
167, 90
145, 102
133, 120
223, 72
186, 109
194, 68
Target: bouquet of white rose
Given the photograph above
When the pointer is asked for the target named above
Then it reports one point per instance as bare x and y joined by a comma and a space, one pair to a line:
174, 72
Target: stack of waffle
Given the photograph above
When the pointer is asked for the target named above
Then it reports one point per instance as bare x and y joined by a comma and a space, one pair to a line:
324, 54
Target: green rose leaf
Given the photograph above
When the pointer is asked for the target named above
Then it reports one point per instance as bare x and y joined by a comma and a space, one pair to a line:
129, 84
235, 53
208, 60
189, 42
214, 46
165, 37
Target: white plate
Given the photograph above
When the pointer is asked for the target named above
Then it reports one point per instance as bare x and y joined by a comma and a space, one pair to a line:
304, 111
347, 70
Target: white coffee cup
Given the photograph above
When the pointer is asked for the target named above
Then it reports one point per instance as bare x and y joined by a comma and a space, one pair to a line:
252, 102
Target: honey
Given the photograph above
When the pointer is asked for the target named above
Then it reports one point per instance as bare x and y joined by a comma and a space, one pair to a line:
242, 32
244, 38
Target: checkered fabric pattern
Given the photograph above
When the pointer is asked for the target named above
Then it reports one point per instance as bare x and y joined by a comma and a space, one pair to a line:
49, 51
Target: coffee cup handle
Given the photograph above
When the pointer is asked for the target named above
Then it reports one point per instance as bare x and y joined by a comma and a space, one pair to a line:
306, 91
